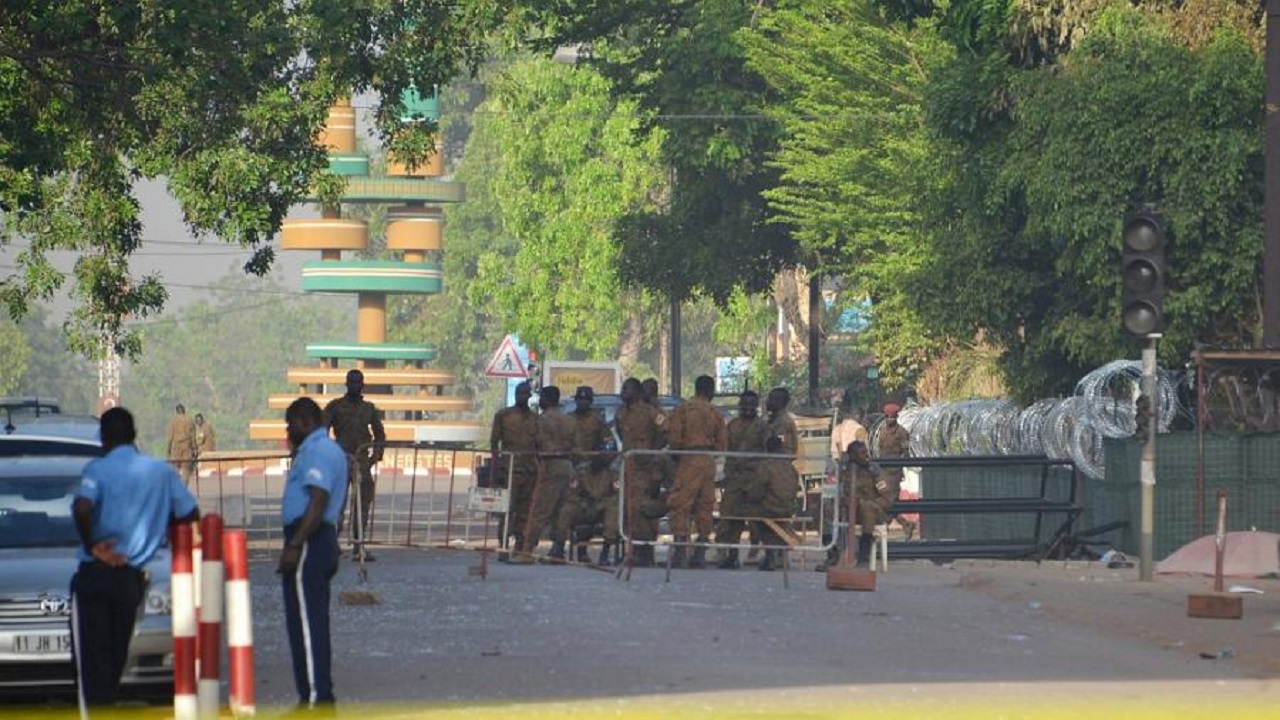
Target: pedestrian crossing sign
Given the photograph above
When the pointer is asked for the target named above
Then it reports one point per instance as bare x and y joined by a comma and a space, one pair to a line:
506, 362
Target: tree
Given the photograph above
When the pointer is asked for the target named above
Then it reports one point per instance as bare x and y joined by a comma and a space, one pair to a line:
853, 154
557, 161
14, 352
1024, 232
223, 99
60, 374
678, 60
205, 359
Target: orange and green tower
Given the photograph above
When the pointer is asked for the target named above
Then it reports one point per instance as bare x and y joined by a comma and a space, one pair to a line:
399, 378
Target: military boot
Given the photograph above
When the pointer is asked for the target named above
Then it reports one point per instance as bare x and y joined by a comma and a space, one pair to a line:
583, 557
730, 560
678, 557
698, 558
770, 561
864, 550
644, 556
604, 554
556, 553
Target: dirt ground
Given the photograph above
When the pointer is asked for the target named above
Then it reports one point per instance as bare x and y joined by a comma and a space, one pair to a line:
1116, 602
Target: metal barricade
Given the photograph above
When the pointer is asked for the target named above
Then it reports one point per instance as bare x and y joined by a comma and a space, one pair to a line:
421, 494
800, 532
245, 488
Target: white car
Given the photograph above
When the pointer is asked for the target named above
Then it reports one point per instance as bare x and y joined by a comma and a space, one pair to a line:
38, 540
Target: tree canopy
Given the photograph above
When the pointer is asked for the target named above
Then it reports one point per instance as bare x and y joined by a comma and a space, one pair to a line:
679, 62
554, 161
1023, 236
224, 100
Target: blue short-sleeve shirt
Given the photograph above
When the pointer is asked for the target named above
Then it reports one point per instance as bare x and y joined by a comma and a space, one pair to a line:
320, 463
134, 497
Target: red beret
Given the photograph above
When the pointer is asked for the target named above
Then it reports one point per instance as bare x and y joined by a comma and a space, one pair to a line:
891, 408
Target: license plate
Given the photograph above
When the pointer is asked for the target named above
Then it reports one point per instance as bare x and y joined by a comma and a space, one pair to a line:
42, 644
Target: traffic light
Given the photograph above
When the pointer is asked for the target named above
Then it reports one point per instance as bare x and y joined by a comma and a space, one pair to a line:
1143, 274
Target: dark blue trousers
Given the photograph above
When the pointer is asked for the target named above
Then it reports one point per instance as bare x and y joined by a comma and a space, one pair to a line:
104, 605
306, 614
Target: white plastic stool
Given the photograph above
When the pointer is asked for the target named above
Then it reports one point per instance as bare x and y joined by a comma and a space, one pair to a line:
880, 547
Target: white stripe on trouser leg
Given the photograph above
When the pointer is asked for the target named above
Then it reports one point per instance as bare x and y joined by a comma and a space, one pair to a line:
78, 651
306, 625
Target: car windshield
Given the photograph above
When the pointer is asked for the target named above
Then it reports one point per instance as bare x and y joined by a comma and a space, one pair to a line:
36, 512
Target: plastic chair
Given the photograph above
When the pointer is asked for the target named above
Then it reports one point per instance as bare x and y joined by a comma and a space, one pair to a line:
880, 548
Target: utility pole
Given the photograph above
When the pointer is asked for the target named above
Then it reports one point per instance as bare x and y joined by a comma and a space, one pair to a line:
1147, 467
1271, 185
675, 346
1143, 272
815, 333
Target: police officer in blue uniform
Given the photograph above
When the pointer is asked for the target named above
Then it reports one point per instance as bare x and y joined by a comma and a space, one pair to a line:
314, 493
123, 508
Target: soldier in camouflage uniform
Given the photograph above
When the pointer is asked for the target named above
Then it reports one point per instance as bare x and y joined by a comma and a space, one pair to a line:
555, 445
357, 427
593, 502
591, 435
664, 465
694, 426
894, 441
182, 444
513, 442
782, 423
772, 494
640, 427
746, 433
866, 480
206, 438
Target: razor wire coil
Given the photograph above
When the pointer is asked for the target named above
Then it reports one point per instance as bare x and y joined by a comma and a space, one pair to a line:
1071, 428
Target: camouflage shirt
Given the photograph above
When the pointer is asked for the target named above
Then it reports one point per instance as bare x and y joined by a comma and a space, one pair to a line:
355, 422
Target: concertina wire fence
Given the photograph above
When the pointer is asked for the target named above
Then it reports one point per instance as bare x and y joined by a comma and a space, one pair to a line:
1071, 428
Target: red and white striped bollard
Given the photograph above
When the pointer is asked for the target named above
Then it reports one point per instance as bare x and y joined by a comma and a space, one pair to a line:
182, 595
239, 623
210, 623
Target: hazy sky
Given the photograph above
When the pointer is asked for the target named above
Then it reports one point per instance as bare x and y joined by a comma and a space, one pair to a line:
188, 267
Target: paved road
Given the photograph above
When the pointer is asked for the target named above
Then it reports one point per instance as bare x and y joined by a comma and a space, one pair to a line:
540, 633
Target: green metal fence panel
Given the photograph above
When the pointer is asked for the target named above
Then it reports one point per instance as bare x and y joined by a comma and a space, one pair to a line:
1002, 481
1246, 465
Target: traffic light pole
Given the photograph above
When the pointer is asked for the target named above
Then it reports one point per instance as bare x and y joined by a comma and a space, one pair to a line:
1147, 468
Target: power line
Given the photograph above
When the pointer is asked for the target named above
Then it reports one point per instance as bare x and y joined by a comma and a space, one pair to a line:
211, 288
189, 317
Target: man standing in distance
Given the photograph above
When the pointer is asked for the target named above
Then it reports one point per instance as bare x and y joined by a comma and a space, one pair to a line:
590, 434
513, 442
697, 427
314, 494
206, 439
640, 428
894, 441
849, 428
122, 510
182, 443
357, 426
746, 433
555, 444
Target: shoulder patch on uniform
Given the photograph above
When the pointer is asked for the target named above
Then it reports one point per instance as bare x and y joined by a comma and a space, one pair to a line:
315, 475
